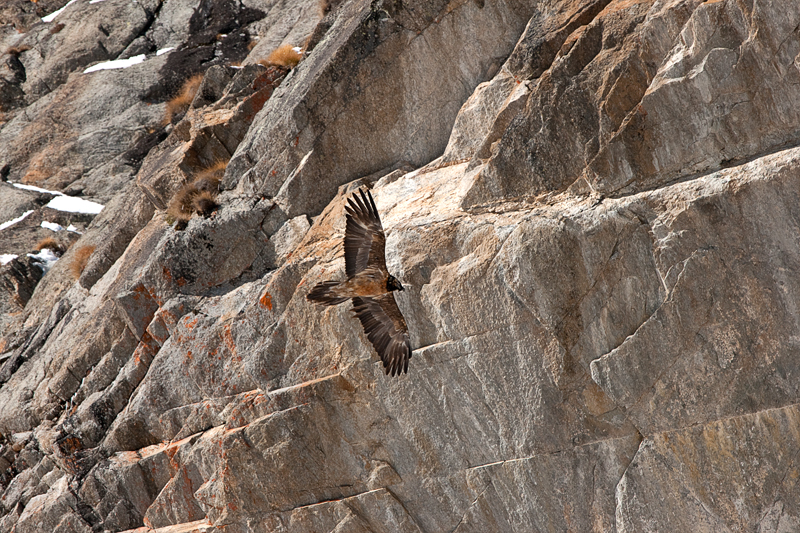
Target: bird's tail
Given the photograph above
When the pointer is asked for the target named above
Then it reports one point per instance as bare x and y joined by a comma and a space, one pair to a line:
321, 294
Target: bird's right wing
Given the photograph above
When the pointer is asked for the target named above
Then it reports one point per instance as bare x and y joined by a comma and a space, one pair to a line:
386, 329
364, 240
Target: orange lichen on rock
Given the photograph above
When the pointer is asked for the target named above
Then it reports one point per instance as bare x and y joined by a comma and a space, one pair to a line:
266, 301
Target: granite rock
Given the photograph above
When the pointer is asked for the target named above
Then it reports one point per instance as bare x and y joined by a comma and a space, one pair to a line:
594, 208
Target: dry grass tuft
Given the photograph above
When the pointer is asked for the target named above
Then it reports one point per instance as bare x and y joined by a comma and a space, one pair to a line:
180, 207
80, 260
199, 196
205, 203
17, 50
218, 166
41, 166
283, 56
208, 183
35, 175
326, 6
180, 103
210, 177
49, 242
57, 28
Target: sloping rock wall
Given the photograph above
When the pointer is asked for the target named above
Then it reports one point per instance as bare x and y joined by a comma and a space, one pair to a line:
594, 207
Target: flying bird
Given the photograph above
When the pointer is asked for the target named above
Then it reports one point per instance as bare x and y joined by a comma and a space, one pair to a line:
369, 285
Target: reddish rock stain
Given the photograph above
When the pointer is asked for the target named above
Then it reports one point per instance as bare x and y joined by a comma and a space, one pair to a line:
266, 300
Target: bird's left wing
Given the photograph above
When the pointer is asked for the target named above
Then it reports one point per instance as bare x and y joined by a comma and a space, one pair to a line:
386, 329
364, 240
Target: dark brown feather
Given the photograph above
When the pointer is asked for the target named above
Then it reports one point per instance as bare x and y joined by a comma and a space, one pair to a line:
321, 293
364, 240
386, 330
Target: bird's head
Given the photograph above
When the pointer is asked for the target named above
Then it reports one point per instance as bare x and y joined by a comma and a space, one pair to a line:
393, 284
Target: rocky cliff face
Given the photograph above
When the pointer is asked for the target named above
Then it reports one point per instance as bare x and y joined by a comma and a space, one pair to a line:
594, 206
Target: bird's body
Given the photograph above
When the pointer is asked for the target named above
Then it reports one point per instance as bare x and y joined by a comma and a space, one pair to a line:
369, 285
369, 282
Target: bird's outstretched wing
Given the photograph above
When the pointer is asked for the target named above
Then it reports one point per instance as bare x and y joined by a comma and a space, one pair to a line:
386, 329
364, 240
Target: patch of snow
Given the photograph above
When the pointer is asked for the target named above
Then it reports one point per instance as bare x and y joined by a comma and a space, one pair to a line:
236, 67
37, 189
74, 205
96, 1
297, 49
73, 229
117, 63
45, 259
7, 258
4, 225
54, 14
165, 50
52, 226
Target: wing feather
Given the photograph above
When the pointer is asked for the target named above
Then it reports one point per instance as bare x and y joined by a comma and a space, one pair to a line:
364, 241
386, 329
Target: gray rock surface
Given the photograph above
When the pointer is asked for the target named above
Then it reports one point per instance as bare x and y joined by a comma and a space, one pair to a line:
398, 58
14, 201
594, 206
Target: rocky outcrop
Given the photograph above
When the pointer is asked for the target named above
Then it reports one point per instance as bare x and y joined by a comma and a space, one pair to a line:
593, 206
379, 73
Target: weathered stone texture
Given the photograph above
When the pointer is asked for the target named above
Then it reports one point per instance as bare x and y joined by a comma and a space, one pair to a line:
594, 206
378, 74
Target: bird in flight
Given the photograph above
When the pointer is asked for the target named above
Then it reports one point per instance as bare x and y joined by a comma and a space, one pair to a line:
369, 285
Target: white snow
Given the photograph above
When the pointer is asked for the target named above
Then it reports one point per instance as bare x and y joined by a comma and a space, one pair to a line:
37, 189
96, 1
117, 63
7, 258
45, 258
4, 225
297, 49
54, 14
74, 205
61, 202
165, 50
73, 229
52, 226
